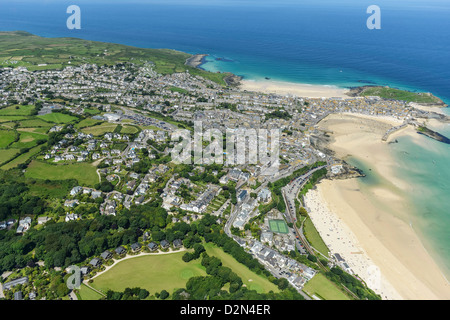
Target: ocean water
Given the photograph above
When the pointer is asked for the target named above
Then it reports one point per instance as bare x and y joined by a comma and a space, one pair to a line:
311, 41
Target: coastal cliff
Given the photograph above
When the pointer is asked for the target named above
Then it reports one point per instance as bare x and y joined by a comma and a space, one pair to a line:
197, 60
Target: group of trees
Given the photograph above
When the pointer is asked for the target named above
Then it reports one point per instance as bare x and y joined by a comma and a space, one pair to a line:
63, 244
210, 287
340, 277
15, 201
128, 294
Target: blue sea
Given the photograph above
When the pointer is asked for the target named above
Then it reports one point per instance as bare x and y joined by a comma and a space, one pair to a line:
310, 41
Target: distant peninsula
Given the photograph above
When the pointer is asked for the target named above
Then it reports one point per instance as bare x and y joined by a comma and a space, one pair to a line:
423, 98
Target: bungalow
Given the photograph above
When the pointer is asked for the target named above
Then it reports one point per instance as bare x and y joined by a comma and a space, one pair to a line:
15, 282
120, 250
135, 247
165, 244
106, 255
152, 246
95, 262
177, 243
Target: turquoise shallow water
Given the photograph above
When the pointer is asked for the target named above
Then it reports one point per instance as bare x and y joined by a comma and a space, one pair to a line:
424, 164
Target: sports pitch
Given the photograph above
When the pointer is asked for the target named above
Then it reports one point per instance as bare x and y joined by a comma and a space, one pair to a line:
278, 226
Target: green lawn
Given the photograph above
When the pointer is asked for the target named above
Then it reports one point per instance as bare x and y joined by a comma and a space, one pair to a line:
85, 173
59, 118
314, 238
323, 288
151, 272
252, 280
86, 293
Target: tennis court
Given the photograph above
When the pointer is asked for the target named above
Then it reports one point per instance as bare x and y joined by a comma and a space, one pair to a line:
278, 226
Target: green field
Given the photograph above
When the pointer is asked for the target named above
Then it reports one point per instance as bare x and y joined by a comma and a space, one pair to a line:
151, 272
22, 158
7, 154
129, 130
85, 173
100, 130
278, 226
59, 118
314, 238
88, 123
28, 139
252, 280
324, 289
17, 110
34, 123
86, 293
7, 137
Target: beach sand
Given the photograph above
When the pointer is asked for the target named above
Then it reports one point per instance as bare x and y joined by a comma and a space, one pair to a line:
371, 226
288, 88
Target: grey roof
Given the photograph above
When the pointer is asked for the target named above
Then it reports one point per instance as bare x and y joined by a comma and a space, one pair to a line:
15, 282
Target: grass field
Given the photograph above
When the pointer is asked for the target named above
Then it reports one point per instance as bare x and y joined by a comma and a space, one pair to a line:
278, 226
17, 110
151, 272
100, 130
6, 138
59, 118
22, 158
88, 123
129, 130
314, 238
249, 278
324, 289
85, 173
7, 154
34, 123
28, 139
86, 293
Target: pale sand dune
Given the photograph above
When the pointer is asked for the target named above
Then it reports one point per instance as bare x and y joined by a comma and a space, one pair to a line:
378, 218
288, 88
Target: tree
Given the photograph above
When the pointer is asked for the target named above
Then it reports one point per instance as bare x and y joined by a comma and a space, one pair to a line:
164, 295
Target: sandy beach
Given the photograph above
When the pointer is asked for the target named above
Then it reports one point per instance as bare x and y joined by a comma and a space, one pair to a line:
297, 89
370, 227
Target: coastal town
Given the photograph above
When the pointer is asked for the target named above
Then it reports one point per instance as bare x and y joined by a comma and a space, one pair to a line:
128, 115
